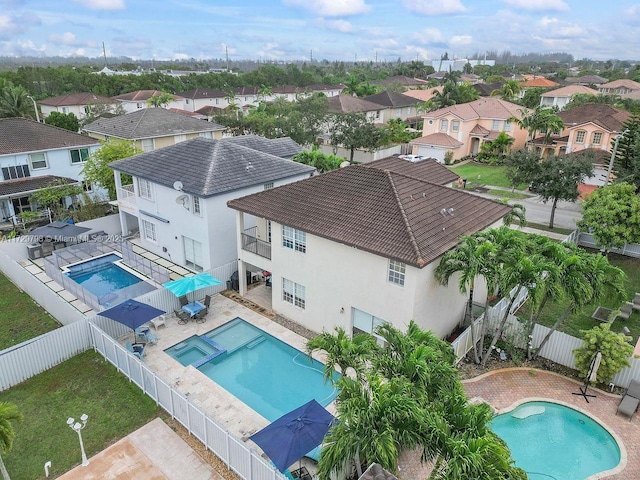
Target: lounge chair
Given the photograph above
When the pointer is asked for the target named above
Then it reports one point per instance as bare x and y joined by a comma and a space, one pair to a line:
636, 301
626, 310
631, 400
183, 300
183, 317
136, 349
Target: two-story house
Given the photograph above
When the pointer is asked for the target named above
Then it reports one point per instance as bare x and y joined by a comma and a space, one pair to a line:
178, 198
35, 155
350, 104
199, 98
461, 129
153, 128
623, 86
134, 101
80, 104
559, 97
396, 105
358, 246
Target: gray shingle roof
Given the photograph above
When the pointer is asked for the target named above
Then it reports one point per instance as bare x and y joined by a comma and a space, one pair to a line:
21, 135
428, 169
385, 213
283, 147
209, 167
392, 99
150, 123
31, 184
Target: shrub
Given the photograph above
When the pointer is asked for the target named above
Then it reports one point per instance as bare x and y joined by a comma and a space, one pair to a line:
615, 351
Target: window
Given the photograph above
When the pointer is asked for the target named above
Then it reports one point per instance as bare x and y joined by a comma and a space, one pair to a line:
38, 160
507, 126
18, 171
139, 105
87, 186
144, 189
495, 125
268, 186
399, 111
65, 110
444, 124
364, 322
294, 239
179, 138
79, 155
192, 254
455, 125
580, 136
196, 205
597, 138
269, 231
147, 145
149, 230
206, 134
377, 114
186, 101
396, 272
217, 101
293, 293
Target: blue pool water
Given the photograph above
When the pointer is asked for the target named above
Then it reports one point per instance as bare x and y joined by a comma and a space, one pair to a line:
551, 441
265, 373
101, 276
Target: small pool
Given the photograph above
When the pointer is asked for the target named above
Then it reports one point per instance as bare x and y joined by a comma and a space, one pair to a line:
551, 441
265, 373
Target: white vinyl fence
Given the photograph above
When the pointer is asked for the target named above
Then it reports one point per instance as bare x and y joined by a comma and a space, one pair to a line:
630, 249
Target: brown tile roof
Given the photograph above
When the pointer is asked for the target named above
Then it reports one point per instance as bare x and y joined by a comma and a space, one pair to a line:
424, 95
605, 116
486, 107
539, 82
19, 135
427, 169
141, 95
623, 82
385, 213
439, 139
569, 91
485, 89
30, 184
479, 130
209, 110
392, 99
76, 99
542, 140
586, 80
350, 104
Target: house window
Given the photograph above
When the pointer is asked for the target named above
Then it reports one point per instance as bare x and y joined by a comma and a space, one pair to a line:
396, 272
364, 322
18, 171
192, 254
293, 293
399, 111
79, 155
139, 105
269, 231
597, 138
507, 126
580, 136
87, 186
147, 145
217, 101
294, 239
455, 125
196, 205
495, 125
206, 134
377, 114
444, 124
268, 186
38, 161
144, 189
65, 110
186, 101
149, 230
179, 138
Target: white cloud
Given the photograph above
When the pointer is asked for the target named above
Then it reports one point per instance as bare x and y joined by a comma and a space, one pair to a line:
553, 28
434, 7
554, 5
22, 49
12, 25
270, 50
68, 38
428, 36
343, 26
331, 8
461, 40
103, 4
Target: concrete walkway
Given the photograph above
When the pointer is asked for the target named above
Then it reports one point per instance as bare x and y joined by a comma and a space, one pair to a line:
154, 452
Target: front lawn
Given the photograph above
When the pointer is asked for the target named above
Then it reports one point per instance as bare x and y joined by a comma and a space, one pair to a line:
84, 384
480, 174
21, 318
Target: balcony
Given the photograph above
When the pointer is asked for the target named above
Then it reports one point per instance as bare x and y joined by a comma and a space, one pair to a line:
252, 244
127, 199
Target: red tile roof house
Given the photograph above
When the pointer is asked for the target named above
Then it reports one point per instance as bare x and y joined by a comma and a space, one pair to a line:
462, 128
357, 247
79, 104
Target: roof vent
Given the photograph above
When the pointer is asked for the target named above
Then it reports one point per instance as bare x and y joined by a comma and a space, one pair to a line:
450, 211
249, 166
443, 212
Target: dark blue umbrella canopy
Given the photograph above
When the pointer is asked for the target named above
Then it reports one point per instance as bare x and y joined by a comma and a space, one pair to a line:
294, 434
132, 313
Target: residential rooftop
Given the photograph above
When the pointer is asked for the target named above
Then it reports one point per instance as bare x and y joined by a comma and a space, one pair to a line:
77, 99
20, 135
426, 169
486, 107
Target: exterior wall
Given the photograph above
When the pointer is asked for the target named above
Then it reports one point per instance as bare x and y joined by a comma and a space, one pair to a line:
589, 129
192, 105
77, 110
559, 102
159, 142
130, 107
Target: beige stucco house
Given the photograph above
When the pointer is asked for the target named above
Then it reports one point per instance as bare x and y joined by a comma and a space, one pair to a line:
561, 96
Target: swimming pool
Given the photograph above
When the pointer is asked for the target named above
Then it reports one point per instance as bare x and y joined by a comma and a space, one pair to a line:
265, 373
551, 441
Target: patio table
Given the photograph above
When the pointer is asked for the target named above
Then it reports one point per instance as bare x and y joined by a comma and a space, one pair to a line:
193, 308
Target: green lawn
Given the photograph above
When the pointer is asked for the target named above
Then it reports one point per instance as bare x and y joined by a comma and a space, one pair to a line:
21, 318
84, 384
484, 174
507, 194
582, 320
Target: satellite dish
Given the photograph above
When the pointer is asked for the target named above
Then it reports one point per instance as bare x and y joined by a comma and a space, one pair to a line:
177, 185
183, 199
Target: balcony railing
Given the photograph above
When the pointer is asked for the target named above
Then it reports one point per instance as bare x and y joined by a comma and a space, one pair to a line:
257, 246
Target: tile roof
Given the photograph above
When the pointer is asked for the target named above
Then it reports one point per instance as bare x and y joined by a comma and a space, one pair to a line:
587, 79
539, 82
141, 96
485, 89
209, 167
76, 99
438, 139
486, 107
392, 99
402, 80
199, 93
479, 130
605, 116
426, 169
569, 91
30, 184
209, 110
21, 135
350, 104
385, 213
283, 147
623, 82
424, 95
150, 123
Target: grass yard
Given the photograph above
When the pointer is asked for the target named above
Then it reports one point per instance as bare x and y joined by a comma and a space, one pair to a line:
484, 174
582, 320
84, 384
508, 194
21, 318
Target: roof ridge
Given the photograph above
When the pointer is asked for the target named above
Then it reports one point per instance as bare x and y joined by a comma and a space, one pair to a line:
412, 239
144, 112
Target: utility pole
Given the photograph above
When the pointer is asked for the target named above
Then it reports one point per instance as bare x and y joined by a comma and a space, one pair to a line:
376, 56
311, 56
226, 51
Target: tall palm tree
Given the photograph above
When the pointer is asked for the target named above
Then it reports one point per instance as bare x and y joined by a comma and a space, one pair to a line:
9, 414
160, 100
516, 215
540, 119
14, 102
509, 91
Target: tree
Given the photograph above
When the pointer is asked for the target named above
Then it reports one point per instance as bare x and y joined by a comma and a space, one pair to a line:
322, 162
68, 121
627, 159
614, 347
53, 197
353, 131
395, 132
540, 119
612, 215
96, 169
100, 110
531, 97
160, 100
9, 414
509, 91
14, 102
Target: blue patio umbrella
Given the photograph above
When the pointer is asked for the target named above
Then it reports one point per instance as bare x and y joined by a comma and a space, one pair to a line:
132, 313
294, 434
186, 285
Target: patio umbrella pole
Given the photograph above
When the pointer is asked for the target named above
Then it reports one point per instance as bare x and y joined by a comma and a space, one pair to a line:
593, 368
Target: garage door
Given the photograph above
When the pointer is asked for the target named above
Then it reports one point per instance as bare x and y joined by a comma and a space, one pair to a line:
432, 152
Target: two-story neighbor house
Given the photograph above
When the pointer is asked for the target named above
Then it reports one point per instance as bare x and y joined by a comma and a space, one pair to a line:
623, 86
198, 98
559, 97
396, 105
357, 247
134, 101
80, 104
350, 104
34, 155
462, 128
153, 128
178, 198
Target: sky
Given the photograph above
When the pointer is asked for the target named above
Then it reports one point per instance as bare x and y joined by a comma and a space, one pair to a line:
319, 29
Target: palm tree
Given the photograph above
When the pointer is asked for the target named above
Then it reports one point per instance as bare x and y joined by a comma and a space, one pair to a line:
8, 414
159, 100
509, 91
14, 102
540, 119
516, 215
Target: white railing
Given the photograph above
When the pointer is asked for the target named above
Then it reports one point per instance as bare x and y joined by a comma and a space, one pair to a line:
127, 195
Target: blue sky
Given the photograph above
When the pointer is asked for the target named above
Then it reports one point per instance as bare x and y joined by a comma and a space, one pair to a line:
332, 29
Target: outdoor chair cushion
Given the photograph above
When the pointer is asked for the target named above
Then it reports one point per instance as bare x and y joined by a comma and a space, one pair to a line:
628, 406
626, 310
636, 301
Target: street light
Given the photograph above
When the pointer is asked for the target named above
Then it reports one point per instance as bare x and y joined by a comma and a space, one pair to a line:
613, 155
78, 427
36, 108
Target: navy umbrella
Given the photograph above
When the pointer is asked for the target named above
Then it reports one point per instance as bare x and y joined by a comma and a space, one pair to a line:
132, 313
294, 434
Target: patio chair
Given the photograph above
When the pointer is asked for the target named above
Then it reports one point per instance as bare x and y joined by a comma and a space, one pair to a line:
183, 300
183, 317
626, 310
137, 349
631, 400
636, 301
200, 316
